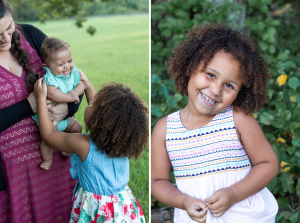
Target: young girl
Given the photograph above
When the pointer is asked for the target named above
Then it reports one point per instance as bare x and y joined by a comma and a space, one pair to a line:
63, 86
212, 140
117, 120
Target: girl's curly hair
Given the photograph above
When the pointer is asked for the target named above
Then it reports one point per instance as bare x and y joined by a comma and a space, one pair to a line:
201, 45
119, 124
52, 45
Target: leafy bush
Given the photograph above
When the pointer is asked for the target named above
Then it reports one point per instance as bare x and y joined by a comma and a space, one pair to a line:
273, 26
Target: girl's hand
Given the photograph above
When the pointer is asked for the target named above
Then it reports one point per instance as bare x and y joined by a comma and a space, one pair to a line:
195, 208
58, 112
84, 79
220, 201
40, 89
32, 101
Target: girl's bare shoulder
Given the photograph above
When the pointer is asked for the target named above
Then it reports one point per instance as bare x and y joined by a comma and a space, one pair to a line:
160, 128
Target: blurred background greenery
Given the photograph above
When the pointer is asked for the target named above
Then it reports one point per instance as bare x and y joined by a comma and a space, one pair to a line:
117, 52
274, 25
33, 10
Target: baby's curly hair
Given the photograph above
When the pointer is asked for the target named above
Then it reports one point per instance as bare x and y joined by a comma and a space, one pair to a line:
52, 45
119, 124
201, 45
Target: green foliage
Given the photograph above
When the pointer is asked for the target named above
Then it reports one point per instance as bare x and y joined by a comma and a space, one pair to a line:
32, 10
276, 32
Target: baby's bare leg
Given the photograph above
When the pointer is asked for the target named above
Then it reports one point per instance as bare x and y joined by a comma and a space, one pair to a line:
47, 155
73, 127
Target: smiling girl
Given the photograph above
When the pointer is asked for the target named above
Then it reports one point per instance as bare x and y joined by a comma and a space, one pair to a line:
63, 86
211, 141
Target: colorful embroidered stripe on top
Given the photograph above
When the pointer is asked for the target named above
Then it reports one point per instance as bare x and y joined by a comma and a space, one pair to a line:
213, 148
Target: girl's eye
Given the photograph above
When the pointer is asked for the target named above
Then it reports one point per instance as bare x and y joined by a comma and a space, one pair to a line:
70, 61
60, 65
210, 75
9, 27
229, 86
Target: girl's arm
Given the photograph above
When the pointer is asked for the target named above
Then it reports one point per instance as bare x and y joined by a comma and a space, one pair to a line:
89, 88
161, 187
68, 142
264, 169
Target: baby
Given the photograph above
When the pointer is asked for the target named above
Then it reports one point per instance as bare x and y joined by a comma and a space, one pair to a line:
63, 86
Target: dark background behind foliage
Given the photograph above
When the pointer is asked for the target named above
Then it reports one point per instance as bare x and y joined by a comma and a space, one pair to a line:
274, 25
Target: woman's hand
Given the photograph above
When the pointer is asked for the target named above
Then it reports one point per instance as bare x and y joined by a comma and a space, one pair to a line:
58, 112
220, 201
32, 101
195, 208
84, 79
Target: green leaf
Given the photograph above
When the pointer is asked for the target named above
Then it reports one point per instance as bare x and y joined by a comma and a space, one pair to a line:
283, 203
171, 102
291, 150
287, 182
289, 65
155, 110
278, 123
272, 49
298, 188
282, 56
298, 218
273, 184
263, 46
294, 82
279, 218
286, 115
266, 118
293, 217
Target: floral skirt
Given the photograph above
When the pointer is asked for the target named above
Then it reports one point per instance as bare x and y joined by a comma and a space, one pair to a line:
93, 208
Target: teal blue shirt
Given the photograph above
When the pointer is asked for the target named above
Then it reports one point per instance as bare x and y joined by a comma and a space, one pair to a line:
61, 82
100, 174
64, 84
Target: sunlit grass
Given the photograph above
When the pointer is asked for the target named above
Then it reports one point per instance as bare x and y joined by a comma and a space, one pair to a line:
118, 52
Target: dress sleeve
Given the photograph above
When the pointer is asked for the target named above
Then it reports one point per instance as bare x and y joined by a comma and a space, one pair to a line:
14, 113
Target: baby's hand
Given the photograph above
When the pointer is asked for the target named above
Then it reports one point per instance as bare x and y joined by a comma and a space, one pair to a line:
195, 208
40, 89
74, 96
220, 201
84, 79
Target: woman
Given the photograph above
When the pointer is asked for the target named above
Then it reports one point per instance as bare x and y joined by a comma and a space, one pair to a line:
28, 193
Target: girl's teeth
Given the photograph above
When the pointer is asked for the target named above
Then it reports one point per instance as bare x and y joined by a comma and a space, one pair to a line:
207, 99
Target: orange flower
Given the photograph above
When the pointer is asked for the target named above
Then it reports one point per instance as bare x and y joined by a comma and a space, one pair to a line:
281, 79
280, 140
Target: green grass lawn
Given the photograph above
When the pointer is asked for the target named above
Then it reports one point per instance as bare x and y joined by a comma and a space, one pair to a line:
118, 52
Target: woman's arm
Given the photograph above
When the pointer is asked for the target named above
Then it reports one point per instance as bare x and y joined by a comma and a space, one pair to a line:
68, 142
161, 187
264, 169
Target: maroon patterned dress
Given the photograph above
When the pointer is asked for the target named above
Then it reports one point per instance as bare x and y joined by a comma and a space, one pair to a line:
32, 194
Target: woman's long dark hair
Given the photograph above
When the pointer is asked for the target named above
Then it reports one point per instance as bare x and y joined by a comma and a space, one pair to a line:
16, 50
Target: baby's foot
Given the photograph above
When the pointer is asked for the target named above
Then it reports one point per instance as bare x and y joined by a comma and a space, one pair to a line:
46, 164
65, 153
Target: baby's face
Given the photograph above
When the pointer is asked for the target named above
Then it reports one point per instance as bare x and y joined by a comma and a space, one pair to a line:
61, 62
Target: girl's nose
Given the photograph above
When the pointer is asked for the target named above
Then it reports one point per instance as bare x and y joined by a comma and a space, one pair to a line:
216, 89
